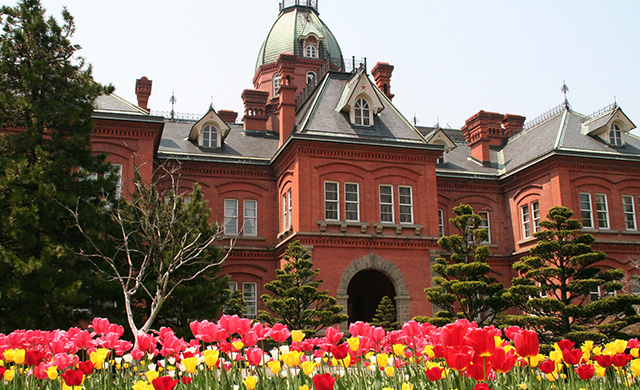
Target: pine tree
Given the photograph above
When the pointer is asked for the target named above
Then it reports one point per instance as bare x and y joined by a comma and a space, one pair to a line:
386, 315
46, 103
463, 289
296, 301
556, 282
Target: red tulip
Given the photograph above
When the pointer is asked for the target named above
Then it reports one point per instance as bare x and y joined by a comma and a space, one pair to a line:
572, 356
503, 361
280, 333
254, 356
458, 358
586, 371
482, 342
548, 366
186, 380
526, 343
340, 351
324, 381
565, 344
377, 334
33, 358
603, 360
479, 368
621, 359
164, 383
454, 334
434, 373
481, 386
86, 367
72, 377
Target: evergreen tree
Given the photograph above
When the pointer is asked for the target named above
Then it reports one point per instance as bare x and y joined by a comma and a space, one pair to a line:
46, 103
296, 301
556, 282
386, 315
463, 289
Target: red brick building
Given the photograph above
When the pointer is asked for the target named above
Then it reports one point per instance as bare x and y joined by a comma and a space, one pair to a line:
321, 155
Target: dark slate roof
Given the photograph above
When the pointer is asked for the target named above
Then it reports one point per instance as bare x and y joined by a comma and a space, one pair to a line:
115, 104
319, 116
239, 146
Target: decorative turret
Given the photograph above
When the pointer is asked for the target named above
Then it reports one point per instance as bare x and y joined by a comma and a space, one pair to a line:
382, 74
143, 91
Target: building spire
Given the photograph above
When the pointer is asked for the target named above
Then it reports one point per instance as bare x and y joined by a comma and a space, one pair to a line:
564, 89
173, 101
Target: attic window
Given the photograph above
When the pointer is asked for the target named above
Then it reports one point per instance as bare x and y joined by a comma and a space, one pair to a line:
311, 52
209, 137
276, 84
362, 113
615, 135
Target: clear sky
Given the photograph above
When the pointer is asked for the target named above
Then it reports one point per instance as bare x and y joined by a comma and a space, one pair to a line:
451, 58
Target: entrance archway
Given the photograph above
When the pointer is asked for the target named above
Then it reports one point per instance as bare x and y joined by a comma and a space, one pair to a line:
365, 291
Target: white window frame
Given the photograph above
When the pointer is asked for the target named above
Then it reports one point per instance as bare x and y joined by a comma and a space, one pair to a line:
233, 287
351, 202
441, 222
311, 76
117, 171
405, 205
289, 209
542, 294
231, 217
250, 217
386, 216
586, 214
629, 211
209, 137
535, 215
485, 223
250, 296
525, 220
362, 112
331, 201
277, 79
596, 294
615, 135
602, 211
284, 211
311, 51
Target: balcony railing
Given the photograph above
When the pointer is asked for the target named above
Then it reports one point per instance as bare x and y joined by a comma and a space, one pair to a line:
306, 3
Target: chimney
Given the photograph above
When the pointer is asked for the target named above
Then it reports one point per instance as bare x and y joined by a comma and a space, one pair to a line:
228, 116
255, 115
482, 130
382, 75
286, 66
143, 91
513, 124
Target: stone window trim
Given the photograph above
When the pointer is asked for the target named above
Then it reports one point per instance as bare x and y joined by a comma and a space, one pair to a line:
398, 228
344, 225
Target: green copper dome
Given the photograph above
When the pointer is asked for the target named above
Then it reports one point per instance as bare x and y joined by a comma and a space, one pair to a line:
294, 22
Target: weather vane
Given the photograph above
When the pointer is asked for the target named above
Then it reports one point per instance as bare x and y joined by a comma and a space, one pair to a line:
564, 89
173, 101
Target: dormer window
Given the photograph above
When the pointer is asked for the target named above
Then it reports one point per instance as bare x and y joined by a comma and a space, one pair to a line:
615, 135
209, 137
311, 52
276, 84
362, 113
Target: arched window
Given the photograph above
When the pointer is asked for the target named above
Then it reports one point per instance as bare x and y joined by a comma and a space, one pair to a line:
311, 77
311, 51
362, 113
276, 84
209, 137
615, 135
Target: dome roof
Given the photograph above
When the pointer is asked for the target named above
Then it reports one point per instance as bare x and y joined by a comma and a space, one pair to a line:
295, 22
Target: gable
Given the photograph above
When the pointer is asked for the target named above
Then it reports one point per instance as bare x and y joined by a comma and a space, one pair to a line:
360, 86
211, 118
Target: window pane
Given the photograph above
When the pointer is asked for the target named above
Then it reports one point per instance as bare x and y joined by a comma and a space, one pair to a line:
441, 223
484, 224
535, 211
331, 201
406, 204
230, 216
351, 202
526, 221
629, 212
386, 203
602, 211
250, 217
585, 210
249, 294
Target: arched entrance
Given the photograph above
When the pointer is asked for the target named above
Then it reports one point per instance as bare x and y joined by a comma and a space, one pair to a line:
365, 291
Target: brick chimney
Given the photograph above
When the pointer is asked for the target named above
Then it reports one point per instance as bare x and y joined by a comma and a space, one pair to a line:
286, 66
255, 114
143, 91
482, 130
382, 75
513, 124
228, 116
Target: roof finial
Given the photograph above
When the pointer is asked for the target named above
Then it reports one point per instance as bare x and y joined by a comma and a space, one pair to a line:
211, 107
173, 101
564, 90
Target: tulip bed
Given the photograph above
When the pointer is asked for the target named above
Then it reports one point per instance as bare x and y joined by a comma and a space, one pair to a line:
233, 354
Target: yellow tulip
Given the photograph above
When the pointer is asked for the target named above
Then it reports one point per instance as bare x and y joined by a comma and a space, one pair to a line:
597, 351
307, 367
211, 357
635, 366
292, 358
151, 375
389, 370
190, 364
15, 355
98, 357
617, 346
142, 385
428, 350
297, 335
9, 374
535, 360
52, 372
601, 370
635, 352
387, 388
274, 365
406, 386
346, 362
250, 382
354, 343
556, 356
238, 345
398, 349
382, 359
304, 387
